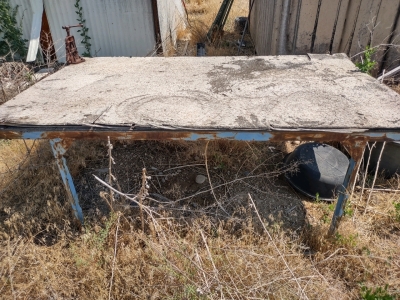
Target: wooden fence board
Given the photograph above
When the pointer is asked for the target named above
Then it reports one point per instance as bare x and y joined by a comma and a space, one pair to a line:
392, 58
350, 24
382, 33
307, 17
365, 24
341, 20
328, 26
292, 26
261, 25
276, 25
326, 23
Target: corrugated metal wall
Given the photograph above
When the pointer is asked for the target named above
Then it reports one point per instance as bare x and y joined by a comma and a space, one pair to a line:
116, 27
323, 26
24, 16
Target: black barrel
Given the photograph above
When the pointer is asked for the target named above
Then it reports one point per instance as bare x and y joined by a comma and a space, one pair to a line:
390, 160
320, 170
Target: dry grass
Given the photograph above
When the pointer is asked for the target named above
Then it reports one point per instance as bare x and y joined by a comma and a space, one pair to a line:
201, 16
183, 253
14, 78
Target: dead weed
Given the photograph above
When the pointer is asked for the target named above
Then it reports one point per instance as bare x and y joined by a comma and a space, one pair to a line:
184, 251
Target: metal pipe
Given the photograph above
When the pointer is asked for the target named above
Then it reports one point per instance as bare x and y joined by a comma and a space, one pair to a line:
283, 31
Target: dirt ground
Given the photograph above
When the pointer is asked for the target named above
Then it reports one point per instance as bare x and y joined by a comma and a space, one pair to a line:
235, 169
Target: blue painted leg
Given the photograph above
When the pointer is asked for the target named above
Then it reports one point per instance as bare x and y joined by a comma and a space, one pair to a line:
59, 148
339, 210
356, 149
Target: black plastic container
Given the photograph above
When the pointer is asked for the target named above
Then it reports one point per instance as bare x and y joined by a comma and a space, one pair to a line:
390, 160
240, 24
201, 49
320, 170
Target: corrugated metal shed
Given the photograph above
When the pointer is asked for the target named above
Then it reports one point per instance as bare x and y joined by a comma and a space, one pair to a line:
123, 28
116, 27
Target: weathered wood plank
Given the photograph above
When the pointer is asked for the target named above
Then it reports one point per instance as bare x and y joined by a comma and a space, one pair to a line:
192, 93
393, 56
365, 26
276, 26
308, 15
326, 22
341, 20
294, 14
385, 25
349, 27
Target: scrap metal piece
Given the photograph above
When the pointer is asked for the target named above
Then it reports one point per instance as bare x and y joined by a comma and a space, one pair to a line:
59, 147
70, 47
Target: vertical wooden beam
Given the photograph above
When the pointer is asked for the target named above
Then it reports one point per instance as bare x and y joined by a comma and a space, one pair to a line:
384, 29
392, 58
276, 26
349, 26
308, 15
340, 23
294, 15
366, 20
329, 12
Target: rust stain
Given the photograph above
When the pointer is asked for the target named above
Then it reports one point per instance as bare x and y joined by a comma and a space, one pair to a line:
357, 139
137, 135
10, 135
356, 151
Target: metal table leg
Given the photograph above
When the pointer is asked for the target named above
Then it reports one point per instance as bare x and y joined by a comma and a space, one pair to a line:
59, 147
356, 151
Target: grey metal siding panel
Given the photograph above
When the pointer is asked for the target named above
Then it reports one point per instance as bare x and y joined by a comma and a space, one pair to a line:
261, 25
24, 16
120, 28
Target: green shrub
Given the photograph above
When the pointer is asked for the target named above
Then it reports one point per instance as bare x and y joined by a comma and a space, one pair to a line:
367, 64
11, 42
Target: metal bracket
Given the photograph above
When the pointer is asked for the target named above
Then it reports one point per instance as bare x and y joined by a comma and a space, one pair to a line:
60, 147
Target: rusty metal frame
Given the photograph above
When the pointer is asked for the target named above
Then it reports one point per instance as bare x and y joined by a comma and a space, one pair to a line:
61, 137
127, 133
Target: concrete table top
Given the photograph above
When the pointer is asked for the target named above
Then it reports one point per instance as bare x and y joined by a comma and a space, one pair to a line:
314, 92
